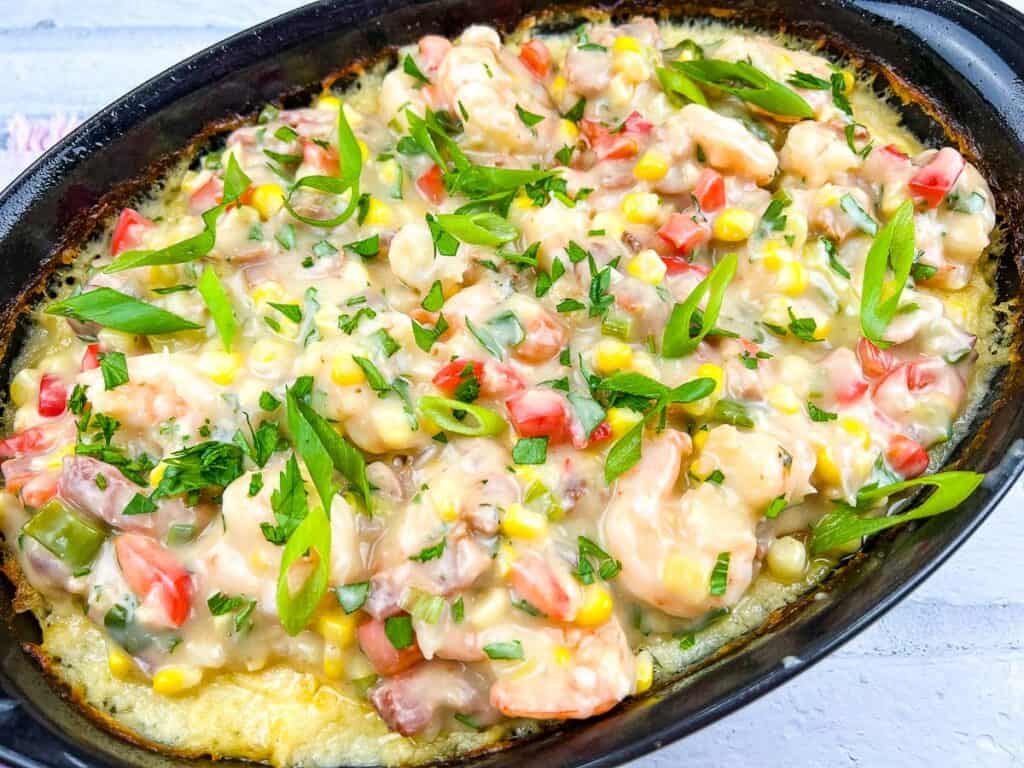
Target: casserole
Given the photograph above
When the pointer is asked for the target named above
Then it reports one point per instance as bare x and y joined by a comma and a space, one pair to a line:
862, 567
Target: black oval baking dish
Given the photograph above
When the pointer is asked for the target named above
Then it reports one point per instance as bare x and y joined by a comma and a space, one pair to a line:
958, 70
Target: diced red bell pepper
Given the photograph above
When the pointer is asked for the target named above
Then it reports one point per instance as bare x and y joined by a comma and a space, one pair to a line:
431, 185
131, 227
623, 143
91, 357
710, 191
541, 413
874, 362
933, 181
152, 570
451, 375
53, 396
537, 58
684, 232
907, 457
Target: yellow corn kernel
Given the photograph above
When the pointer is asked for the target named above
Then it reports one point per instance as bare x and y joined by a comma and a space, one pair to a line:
792, 278
557, 88
848, 81
822, 329
334, 661
641, 207
267, 199
857, 429
700, 439
621, 420
685, 577
345, 371
795, 230
773, 255
121, 665
644, 672
388, 172
567, 131
699, 470
392, 424
504, 559
647, 266
612, 355
446, 509
826, 468
705, 404
25, 386
651, 166
734, 225
328, 102
379, 213
562, 655
518, 522
596, 608
163, 276
157, 474
220, 366
522, 202
267, 291
787, 559
171, 681
782, 398
363, 149
608, 222
627, 43
827, 196
337, 627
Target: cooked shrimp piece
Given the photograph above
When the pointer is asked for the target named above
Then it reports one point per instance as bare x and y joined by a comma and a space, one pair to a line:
816, 154
547, 585
565, 674
922, 397
727, 144
415, 263
668, 543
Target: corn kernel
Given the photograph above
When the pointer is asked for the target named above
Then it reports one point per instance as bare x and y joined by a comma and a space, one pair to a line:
827, 196
787, 559
220, 366
700, 439
620, 92
773, 256
336, 627
557, 88
363, 149
734, 225
268, 199
782, 398
55, 459
446, 510
705, 404
518, 522
621, 420
25, 386
856, 429
163, 276
644, 672
504, 559
627, 43
792, 278
267, 291
567, 131
157, 474
848, 81
379, 213
334, 661
685, 577
822, 329
608, 222
328, 102
596, 608
117, 341
171, 681
826, 469
641, 207
651, 166
647, 266
612, 355
392, 425
562, 655
121, 665
345, 371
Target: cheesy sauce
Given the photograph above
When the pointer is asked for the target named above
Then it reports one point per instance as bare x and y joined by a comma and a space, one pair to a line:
488, 393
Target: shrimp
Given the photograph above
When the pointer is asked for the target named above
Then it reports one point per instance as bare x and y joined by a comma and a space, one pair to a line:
547, 586
816, 154
414, 262
565, 673
668, 544
726, 143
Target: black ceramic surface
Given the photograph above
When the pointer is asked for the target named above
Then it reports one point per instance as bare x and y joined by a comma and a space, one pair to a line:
964, 61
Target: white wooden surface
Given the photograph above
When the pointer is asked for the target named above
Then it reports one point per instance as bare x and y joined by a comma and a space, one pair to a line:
937, 682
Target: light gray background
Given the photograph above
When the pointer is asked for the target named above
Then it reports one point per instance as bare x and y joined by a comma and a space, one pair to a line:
937, 682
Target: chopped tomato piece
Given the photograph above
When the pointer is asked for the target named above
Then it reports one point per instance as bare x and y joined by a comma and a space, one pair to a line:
933, 182
636, 125
53, 396
907, 457
128, 232
454, 373
874, 362
431, 185
385, 658
495, 379
622, 143
91, 357
710, 190
433, 49
153, 572
541, 413
537, 58
684, 233
545, 338
849, 390
207, 196
324, 161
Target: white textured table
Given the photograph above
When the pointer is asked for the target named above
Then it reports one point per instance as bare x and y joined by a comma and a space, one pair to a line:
937, 682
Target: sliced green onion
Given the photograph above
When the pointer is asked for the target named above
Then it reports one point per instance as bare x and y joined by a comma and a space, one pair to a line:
113, 309
893, 245
219, 304
312, 537
747, 83
511, 651
677, 340
476, 422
